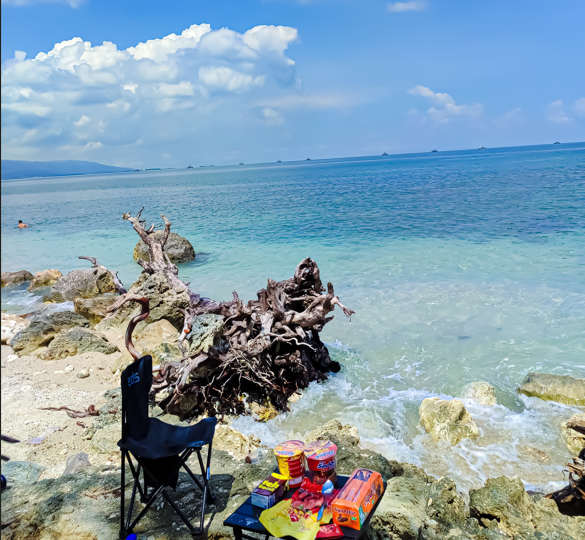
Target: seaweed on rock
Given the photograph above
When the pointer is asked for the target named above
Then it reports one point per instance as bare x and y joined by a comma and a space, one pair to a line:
266, 349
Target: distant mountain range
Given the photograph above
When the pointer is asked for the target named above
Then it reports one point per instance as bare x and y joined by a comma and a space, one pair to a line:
12, 169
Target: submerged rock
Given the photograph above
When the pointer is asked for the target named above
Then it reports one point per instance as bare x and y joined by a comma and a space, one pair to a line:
11, 325
481, 392
178, 249
575, 440
165, 303
93, 309
86, 283
561, 388
447, 420
77, 341
14, 278
42, 330
44, 278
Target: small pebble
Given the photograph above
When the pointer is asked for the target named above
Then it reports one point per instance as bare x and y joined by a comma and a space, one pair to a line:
83, 374
64, 451
69, 368
11, 358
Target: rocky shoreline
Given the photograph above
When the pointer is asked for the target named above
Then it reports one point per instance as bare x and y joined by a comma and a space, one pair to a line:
58, 357
416, 506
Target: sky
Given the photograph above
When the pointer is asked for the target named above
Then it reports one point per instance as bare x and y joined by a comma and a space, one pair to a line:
167, 84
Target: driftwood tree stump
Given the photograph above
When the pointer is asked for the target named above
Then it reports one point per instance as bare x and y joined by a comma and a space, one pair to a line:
269, 348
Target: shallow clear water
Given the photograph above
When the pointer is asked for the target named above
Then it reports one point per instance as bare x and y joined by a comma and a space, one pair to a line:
461, 266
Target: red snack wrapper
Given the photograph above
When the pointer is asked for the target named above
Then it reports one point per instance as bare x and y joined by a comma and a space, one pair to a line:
329, 531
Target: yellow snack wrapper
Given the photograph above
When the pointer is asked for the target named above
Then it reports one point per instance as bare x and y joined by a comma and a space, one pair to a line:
284, 520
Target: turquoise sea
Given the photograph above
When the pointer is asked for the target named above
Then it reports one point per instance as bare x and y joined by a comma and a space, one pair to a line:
461, 266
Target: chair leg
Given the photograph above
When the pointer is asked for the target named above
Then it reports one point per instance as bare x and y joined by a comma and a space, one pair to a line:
206, 484
123, 489
205, 471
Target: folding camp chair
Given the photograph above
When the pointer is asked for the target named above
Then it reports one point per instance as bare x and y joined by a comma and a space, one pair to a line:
160, 449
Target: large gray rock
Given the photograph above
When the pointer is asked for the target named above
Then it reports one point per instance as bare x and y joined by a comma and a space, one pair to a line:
518, 515
561, 388
11, 325
21, 472
45, 278
206, 332
14, 278
86, 283
77, 341
106, 439
447, 420
42, 330
165, 303
178, 249
93, 309
159, 339
481, 392
575, 440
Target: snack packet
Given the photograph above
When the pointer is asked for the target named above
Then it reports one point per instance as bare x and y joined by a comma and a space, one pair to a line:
329, 531
284, 520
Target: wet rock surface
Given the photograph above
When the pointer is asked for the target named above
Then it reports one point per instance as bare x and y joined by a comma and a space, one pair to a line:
562, 388
42, 330
575, 440
447, 420
11, 325
481, 392
77, 341
45, 278
93, 309
178, 249
206, 331
86, 283
14, 278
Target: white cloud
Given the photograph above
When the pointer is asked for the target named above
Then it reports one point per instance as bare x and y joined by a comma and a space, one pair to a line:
510, 119
149, 94
82, 121
580, 106
401, 7
556, 113
446, 109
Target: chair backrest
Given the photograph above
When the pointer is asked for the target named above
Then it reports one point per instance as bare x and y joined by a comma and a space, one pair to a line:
136, 383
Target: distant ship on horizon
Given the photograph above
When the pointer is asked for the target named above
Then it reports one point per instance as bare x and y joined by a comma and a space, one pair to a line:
557, 142
190, 167
279, 161
308, 159
434, 151
385, 154
482, 148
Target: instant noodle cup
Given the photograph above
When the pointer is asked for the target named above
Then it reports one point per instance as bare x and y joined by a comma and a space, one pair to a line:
291, 461
321, 461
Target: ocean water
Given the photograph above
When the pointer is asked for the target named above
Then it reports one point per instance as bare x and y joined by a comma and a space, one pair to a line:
461, 266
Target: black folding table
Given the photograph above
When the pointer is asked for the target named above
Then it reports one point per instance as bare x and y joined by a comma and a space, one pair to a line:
246, 517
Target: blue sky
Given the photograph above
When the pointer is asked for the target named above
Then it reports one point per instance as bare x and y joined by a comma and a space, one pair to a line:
257, 81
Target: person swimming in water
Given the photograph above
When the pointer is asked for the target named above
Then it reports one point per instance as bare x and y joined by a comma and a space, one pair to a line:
21, 225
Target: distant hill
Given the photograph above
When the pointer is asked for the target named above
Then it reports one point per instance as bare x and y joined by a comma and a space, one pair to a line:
12, 169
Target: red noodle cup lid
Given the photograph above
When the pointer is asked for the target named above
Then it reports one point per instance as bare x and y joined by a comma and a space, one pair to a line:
320, 450
289, 449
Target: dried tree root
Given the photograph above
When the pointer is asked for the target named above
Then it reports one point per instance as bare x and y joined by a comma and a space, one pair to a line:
269, 348
571, 499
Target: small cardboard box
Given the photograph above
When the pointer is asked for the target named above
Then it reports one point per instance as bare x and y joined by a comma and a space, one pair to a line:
269, 492
357, 498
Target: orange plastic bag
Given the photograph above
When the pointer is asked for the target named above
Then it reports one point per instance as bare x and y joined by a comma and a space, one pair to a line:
284, 520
